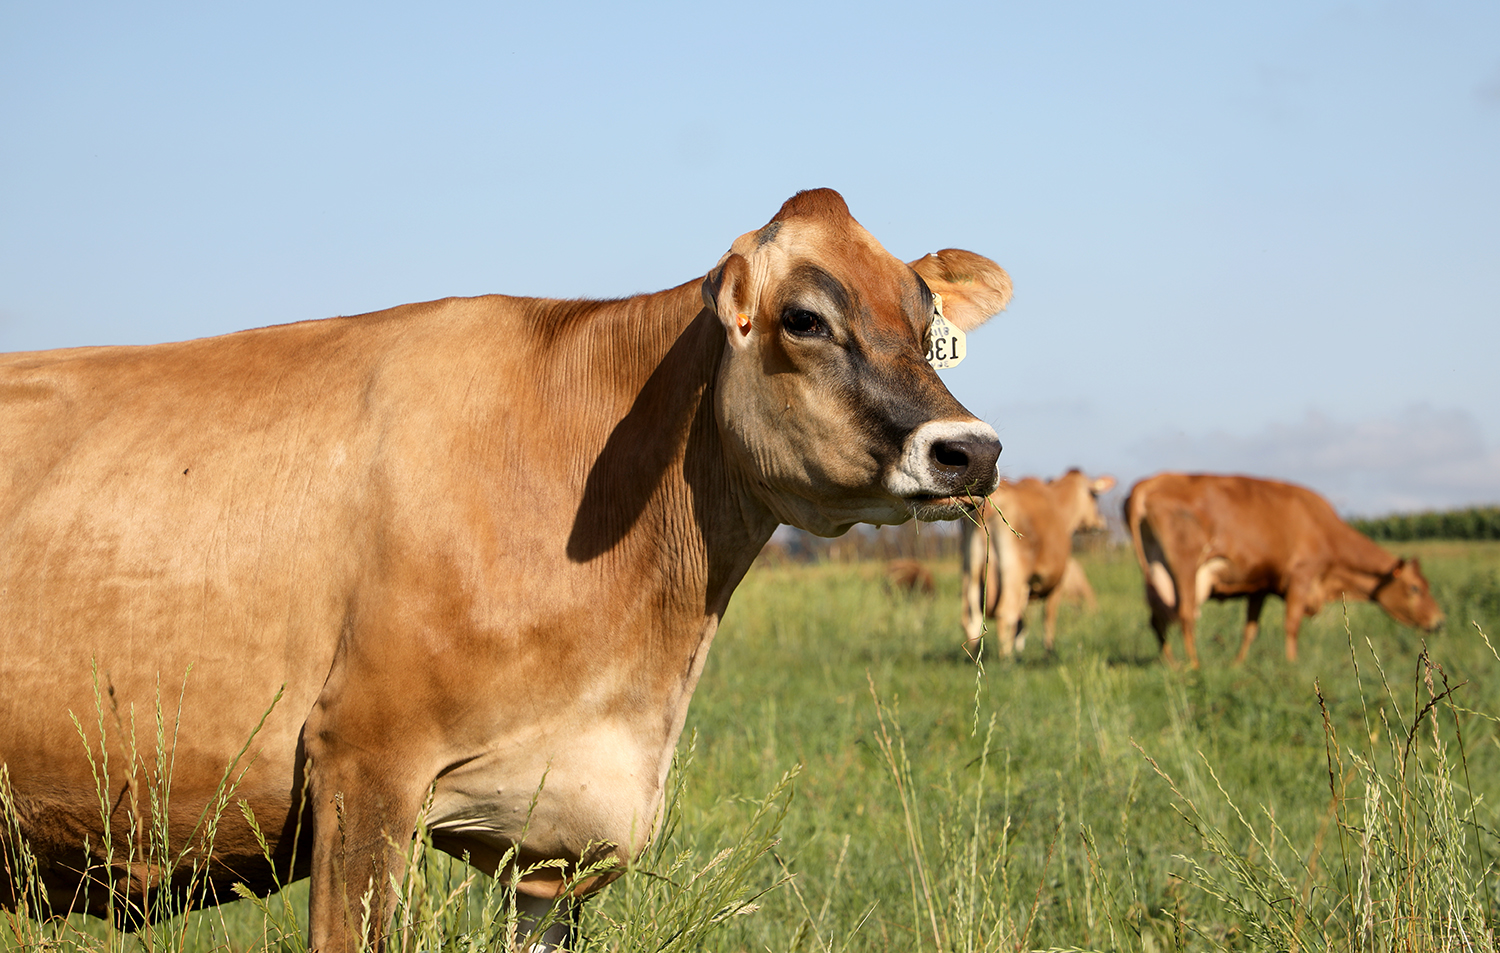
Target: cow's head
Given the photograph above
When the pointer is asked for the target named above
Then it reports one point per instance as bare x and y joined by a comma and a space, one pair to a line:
1080, 497
825, 398
1404, 593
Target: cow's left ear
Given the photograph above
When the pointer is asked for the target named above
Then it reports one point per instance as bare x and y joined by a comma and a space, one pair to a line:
726, 294
974, 289
1102, 485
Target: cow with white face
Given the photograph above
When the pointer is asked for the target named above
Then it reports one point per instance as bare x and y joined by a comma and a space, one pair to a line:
829, 363
483, 543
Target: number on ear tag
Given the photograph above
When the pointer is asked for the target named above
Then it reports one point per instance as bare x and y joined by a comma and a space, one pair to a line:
946, 345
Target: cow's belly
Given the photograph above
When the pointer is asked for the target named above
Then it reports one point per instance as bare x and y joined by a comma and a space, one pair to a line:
1221, 578
595, 797
1214, 577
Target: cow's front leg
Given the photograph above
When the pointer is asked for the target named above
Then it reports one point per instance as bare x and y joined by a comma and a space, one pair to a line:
975, 580
1049, 620
364, 813
1296, 611
1010, 615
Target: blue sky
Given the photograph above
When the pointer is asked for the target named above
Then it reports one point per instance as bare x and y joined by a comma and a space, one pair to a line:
1253, 237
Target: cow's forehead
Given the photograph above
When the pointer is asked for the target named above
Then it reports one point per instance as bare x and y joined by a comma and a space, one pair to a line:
816, 228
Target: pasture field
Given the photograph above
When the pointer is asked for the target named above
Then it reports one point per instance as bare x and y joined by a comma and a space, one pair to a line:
1074, 839
1093, 799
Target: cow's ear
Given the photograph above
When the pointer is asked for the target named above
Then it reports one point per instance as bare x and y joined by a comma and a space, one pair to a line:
726, 294
1102, 485
974, 289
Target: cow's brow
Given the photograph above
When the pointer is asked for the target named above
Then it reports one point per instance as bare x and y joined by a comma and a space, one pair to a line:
824, 282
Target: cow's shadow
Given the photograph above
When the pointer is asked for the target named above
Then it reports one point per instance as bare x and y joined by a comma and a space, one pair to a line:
1120, 659
956, 656
674, 403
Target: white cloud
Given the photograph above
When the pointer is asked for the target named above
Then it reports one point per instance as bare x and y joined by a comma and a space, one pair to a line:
1422, 457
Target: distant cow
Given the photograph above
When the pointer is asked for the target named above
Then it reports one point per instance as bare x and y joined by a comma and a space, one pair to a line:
1200, 537
909, 576
482, 542
1075, 587
1022, 551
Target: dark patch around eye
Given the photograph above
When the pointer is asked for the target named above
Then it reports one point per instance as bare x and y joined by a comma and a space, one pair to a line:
828, 286
803, 323
814, 304
891, 396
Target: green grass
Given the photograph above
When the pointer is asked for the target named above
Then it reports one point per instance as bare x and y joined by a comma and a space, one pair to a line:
1083, 827
1093, 799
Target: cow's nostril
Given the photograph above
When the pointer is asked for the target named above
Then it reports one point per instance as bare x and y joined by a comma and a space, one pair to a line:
944, 458
950, 455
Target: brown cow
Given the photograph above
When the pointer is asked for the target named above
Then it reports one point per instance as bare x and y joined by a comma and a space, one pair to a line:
1021, 552
481, 542
1201, 536
910, 577
1075, 588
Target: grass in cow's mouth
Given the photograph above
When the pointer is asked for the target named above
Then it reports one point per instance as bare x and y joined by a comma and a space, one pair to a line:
1098, 802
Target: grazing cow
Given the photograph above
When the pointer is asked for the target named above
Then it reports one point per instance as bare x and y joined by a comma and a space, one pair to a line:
483, 543
1022, 551
1201, 536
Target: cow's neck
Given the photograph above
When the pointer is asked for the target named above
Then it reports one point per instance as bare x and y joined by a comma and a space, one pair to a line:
664, 527
660, 501
1361, 564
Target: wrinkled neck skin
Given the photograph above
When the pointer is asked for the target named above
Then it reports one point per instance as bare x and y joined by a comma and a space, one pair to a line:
664, 461
667, 525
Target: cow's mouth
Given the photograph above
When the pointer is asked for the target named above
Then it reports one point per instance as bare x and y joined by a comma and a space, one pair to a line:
930, 509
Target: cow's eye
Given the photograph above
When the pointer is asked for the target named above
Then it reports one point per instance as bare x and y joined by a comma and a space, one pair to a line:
803, 323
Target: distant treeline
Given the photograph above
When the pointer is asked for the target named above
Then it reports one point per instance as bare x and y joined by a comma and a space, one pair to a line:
1479, 522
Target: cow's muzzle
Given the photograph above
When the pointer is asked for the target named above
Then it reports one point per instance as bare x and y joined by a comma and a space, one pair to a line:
944, 462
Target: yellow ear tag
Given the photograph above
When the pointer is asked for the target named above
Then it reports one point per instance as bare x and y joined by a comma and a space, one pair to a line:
946, 344
743, 320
